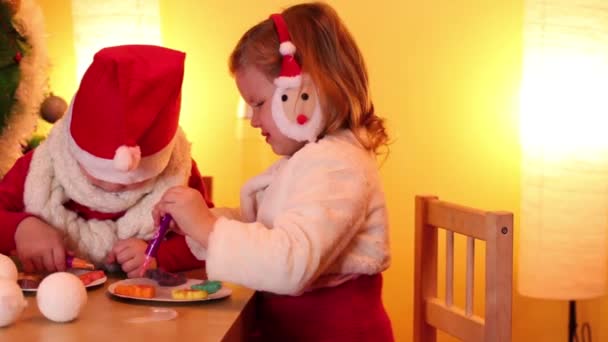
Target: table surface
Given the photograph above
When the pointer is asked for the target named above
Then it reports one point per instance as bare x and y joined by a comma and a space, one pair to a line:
109, 318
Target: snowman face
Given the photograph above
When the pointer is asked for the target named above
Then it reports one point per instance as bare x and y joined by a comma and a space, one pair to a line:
297, 111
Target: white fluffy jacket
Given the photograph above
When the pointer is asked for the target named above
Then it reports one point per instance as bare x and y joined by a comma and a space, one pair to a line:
315, 219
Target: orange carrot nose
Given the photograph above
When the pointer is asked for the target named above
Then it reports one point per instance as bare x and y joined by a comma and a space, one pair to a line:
302, 119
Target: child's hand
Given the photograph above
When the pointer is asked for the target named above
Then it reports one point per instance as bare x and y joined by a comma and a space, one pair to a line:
130, 254
189, 211
40, 246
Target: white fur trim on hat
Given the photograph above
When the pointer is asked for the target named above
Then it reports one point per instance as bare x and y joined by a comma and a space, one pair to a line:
127, 158
147, 167
287, 49
105, 169
288, 82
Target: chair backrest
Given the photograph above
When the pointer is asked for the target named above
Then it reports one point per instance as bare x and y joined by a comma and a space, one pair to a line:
432, 313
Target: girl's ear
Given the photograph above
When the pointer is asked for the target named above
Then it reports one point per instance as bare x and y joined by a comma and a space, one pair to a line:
297, 110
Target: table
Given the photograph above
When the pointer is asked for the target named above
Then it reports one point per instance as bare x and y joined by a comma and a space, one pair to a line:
107, 318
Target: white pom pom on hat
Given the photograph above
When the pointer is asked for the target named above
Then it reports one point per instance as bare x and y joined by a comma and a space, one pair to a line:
287, 49
127, 158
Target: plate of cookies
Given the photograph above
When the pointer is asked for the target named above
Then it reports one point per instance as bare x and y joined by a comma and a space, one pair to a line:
160, 286
29, 281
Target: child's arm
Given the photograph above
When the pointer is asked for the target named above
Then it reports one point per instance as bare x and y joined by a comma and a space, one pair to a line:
173, 254
40, 246
11, 202
324, 205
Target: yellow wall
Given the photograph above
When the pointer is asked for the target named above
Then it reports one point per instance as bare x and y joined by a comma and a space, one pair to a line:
444, 73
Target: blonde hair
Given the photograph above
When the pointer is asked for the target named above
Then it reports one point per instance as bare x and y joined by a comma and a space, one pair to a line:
328, 53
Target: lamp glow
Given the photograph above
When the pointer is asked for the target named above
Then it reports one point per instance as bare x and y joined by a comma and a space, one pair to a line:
564, 122
99, 24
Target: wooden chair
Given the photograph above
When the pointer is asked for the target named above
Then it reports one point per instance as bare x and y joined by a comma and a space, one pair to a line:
430, 312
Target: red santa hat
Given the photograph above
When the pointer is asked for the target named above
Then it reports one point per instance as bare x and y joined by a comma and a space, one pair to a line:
124, 116
290, 74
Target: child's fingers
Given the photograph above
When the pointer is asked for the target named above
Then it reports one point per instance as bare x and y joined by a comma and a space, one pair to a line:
120, 246
49, 262
174, 193
111, 258
175, 228
157, 213
38, 264
131, 267
125, 255
135, 273
59, 258
28, 265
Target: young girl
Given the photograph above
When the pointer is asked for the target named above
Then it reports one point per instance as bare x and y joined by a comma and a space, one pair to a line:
311, 233
90, 186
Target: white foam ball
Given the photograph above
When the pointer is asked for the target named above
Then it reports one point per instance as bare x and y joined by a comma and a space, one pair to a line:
11, 301
8, 269
61, 296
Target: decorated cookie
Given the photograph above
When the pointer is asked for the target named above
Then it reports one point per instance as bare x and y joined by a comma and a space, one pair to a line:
29, 281
136, 290
188, 294
164, 278
28, 284
209, 286
90, 277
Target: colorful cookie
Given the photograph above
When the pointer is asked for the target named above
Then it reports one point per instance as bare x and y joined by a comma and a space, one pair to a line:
90, 277
209, 286
188, 294
164, 278
28, 284
29, 281
136, 290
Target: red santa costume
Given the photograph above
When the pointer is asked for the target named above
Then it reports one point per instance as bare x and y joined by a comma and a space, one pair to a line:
121, 127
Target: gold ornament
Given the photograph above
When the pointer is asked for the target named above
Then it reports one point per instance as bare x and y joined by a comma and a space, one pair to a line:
53, 108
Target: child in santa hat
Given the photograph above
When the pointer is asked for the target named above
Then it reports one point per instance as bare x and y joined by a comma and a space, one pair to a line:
89, 188
311, 234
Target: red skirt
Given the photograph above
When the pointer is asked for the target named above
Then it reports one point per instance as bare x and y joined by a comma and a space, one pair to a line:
352, 311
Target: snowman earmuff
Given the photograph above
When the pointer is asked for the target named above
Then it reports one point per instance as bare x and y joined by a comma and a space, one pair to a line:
295, 109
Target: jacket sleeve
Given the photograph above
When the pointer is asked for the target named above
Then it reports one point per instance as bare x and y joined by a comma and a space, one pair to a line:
11, 202
174, 254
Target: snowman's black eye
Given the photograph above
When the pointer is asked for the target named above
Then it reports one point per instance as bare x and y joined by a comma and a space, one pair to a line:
304, 96
284, 97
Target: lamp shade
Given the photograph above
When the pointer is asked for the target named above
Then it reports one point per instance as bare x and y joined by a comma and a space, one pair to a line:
563, 241
99, 24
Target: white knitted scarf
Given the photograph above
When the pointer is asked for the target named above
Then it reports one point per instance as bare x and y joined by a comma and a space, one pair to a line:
54, 178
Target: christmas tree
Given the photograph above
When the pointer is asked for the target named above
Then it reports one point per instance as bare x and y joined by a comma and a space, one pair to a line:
23, 76
12, 47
